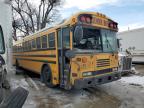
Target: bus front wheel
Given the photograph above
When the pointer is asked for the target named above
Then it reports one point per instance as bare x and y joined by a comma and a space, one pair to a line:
47, 76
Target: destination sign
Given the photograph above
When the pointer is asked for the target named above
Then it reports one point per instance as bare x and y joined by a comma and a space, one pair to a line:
98, 20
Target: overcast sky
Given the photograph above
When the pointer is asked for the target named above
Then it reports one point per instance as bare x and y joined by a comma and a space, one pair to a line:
128, 13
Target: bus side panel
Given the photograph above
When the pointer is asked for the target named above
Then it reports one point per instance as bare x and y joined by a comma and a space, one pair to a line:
31, 65
37, 67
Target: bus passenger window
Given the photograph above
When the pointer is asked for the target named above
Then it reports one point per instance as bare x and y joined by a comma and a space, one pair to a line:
16, 48
44, 42
19, 48
26, 46
29, 45
66, 37
23, 45
38, 43
33, 44
13, 49
51, 40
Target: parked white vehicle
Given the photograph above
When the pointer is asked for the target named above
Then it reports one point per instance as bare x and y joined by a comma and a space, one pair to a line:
132, 40
5, 39
125, 63
17, 98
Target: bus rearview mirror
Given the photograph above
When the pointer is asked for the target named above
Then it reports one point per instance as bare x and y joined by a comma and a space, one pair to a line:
78, 34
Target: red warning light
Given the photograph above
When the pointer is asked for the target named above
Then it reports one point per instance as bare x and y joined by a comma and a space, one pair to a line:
115, 26
83, 19
86, 18
111, 25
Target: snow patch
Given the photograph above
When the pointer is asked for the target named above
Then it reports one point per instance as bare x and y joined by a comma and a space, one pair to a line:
136, 80
19, 83
68, 106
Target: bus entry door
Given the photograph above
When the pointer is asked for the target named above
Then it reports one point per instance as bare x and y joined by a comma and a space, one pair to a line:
63, 46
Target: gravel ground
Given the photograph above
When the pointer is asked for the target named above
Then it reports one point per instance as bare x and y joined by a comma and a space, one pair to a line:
124, 93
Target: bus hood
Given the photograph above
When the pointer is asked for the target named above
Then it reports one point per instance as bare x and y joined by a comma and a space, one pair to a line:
94, 64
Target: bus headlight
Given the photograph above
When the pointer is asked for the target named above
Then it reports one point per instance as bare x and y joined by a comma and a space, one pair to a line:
87, 74
115, 69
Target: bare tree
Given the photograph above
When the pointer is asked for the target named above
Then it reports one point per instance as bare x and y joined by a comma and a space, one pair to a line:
28, 18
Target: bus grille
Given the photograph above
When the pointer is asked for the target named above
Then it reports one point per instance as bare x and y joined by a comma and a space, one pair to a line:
127, 63
103, 62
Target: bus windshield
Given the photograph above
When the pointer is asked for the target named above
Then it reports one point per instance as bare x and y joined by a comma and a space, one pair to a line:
109, 41
1, 41
100, 40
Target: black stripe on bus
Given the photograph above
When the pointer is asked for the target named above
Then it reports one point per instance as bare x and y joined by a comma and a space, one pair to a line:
53, 56
36, 50
98, 72
45, 61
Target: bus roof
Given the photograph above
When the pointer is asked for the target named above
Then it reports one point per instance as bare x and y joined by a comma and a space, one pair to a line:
64, 23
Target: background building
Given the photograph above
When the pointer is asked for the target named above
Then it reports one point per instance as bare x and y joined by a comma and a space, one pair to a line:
133, 41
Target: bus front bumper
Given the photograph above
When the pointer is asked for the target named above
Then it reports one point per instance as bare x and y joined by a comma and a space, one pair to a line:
91, 82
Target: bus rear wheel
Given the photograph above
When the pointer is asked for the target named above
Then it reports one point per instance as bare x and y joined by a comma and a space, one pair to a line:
47, 77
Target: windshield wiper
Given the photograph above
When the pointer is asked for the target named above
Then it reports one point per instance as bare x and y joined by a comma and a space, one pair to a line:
109, 44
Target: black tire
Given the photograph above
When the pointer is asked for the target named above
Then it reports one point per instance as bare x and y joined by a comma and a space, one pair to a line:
16, 99
47, 77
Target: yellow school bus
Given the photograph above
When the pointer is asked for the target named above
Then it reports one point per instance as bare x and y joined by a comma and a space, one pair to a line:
80, 52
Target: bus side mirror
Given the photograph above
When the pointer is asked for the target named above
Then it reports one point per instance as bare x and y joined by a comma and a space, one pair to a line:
70, 54
78, 34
